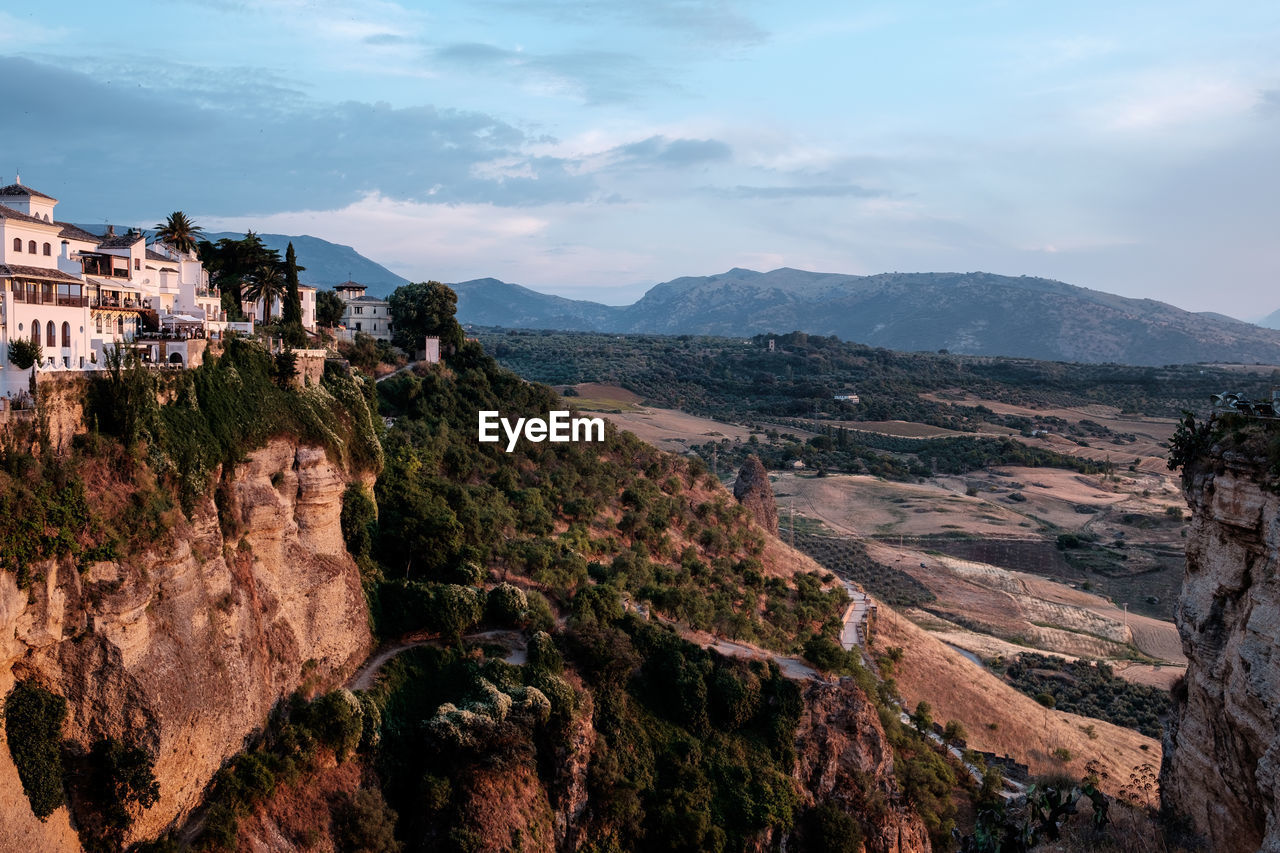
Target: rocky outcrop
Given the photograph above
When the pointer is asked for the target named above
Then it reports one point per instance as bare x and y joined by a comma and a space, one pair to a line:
1222, 745
187, 647
754, 492
843, 757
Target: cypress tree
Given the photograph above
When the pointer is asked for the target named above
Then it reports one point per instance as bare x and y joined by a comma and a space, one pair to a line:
292, 308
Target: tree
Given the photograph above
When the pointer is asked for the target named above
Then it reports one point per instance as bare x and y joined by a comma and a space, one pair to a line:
266, 284
421, 309
24, 352
329, 308
179, 232
291, 310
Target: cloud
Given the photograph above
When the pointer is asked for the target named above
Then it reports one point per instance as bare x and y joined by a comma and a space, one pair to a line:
720, 21
810, 191
269, 153
661, 151
594, 76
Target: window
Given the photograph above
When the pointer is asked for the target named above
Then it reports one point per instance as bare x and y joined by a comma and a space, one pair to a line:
31, 246
35, 332
137, 263
48, 250
357, 327
50, 335
66, 335
98, 322
120, 326
17, 244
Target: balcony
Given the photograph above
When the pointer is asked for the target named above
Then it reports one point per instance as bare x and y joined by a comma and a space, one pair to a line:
117, 302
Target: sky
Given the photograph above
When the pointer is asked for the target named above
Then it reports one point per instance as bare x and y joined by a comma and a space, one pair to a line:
592, 149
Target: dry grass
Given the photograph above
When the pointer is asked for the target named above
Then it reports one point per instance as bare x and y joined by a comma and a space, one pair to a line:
960, 690
667, 429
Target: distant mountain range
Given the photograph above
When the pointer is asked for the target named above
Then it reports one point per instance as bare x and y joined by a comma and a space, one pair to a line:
975, 313
1271, 321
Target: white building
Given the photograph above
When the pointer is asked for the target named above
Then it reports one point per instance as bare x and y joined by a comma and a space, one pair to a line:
79, 293
367, 314
307, 298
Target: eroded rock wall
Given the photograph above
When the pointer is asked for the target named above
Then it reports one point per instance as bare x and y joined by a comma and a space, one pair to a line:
1222, 746
189, 646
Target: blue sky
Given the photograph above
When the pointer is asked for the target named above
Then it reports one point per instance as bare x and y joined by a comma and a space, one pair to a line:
590, 149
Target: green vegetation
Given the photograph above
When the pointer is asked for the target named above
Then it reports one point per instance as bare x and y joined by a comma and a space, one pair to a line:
113, 781
33, 718
1090, 689
744, 382
300, 737
848, 558
225, 408
564, 516
421, 309
24, 352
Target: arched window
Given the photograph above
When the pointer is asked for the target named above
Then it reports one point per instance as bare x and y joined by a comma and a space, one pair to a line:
17, 244
35, 332
66, 335
120, 325
98, 322
50, 335
31, 246
48, 250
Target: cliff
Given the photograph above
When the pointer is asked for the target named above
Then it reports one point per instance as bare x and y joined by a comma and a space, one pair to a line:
843, 757
187, 647
1222, 752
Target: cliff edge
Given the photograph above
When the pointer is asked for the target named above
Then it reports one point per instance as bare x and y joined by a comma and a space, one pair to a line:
1221, 767
187, 647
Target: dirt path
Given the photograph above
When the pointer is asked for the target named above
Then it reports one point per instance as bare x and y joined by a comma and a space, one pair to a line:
367, 675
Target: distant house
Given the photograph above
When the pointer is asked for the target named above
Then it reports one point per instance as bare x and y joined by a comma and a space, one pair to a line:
367, 314
846, 398
306, 300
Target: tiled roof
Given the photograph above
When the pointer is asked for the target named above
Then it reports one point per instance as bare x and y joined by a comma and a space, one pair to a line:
10, 213
351, 285
20, 190
156, 256
75, 232
368, 299
19, 271
120, 241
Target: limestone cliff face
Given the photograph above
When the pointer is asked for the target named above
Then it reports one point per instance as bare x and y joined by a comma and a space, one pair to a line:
188, 646
844, 757
1222, 752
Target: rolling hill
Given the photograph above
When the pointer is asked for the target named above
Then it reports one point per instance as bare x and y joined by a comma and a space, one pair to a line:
976, 313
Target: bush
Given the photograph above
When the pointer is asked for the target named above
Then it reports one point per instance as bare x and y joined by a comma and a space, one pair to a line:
337, 720
24, 352
507, 605
33, 720
829, 829
364, 823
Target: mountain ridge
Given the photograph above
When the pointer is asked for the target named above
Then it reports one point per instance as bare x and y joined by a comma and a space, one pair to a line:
974, 313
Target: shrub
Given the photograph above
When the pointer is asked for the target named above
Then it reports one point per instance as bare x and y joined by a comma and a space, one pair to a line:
829, 829
24, 352
337, 720
507, 605
33, 720
364, 823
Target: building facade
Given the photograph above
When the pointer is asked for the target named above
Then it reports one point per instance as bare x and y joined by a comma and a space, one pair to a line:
365, 314
77, 293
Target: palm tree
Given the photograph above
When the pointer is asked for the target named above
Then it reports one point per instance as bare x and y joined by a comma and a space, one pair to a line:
266, 285
179, 232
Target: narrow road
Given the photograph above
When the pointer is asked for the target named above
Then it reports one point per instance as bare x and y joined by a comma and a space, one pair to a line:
367, 675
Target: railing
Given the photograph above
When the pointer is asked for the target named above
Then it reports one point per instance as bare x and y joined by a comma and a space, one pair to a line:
35, 297
106, 302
